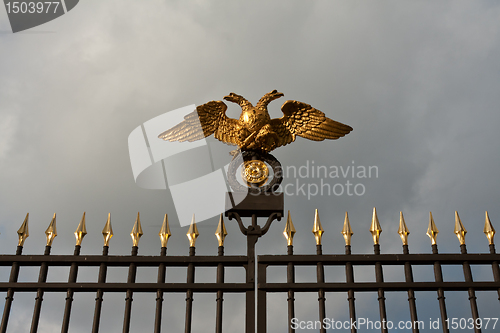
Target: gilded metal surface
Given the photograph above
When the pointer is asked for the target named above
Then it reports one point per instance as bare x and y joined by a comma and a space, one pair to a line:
51, 231
136, 232
164, 232
459, 229
255, 130
255, 172
270, 184
221, 231
107, 231
488, 229
317, 229
403, 229
375, 227
346, 230
23, 231
289, 231
81, 231
432, 230
192, 233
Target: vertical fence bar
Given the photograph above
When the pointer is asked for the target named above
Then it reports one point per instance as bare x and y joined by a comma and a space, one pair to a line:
42, 277
221, 234
261, 300
403, 232
250, 278
103, 268
490, 232
290, 278
159, 292
411, 292
14, 274
471, 291
318, 231
289, 233
164, 236
192, 234
73, 272
379, 277
132, 270
349, 272
320, 273
375, 230
219, 300
189, 292
495, 268
438, 276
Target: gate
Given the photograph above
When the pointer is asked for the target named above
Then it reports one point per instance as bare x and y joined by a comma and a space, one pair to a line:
256, 279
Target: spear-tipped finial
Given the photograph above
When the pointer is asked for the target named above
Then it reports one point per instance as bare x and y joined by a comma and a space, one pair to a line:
51, 231
375, 227
81, 231
289, 231
107, 231
403, 229
488, 229
192, 233
164, 232
221, 231
459, 229
136, 231
347, 231
317, 229
23, 232
432, 230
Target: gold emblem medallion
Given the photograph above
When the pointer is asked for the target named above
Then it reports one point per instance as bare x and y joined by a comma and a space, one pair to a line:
255, 172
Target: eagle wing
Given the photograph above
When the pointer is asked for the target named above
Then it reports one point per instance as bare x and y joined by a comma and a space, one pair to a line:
209, 118
303, 120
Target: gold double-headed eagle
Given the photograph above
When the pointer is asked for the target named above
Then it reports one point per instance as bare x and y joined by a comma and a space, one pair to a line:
255, 130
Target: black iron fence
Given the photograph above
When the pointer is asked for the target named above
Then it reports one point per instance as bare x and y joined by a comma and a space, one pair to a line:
255, 287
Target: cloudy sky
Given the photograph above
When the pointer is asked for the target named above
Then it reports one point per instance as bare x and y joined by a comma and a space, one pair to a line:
418, 82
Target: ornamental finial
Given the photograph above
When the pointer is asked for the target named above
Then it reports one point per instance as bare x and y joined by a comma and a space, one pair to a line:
375, 227
403, 229
107, 231
192, 233
317, 229
221, 231
164, 232
81, 231
432, 230
23, 231
346, 230
488, 229
51, 231
289, 231
459, 229
136, 231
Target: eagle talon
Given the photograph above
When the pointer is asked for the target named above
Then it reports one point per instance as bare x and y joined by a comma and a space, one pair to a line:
235, 153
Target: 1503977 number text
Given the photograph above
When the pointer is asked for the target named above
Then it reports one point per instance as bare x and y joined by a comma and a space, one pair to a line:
25, 7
